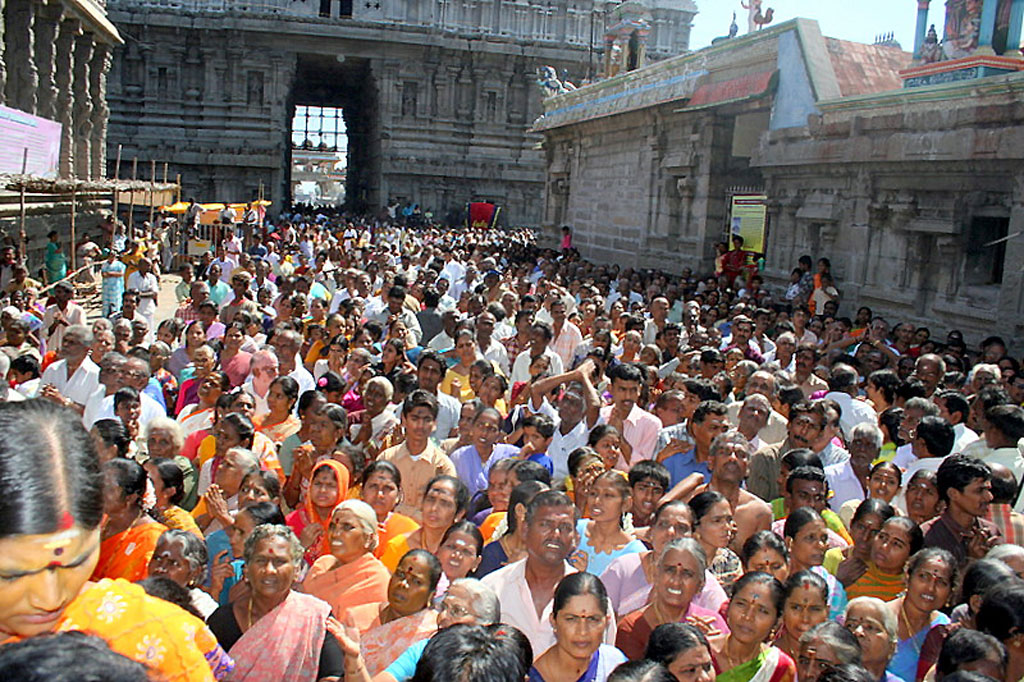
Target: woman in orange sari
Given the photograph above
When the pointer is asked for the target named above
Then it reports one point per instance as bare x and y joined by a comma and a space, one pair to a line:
54, 474
280, 422
382, 490
350, 575
129, 534
327, 488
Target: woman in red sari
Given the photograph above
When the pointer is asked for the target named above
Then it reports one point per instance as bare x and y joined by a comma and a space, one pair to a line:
129, 534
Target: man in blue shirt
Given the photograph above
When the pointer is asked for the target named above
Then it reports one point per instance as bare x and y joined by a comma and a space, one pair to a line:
710, 419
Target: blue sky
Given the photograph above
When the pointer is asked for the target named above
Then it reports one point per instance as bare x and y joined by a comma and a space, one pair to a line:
856, 20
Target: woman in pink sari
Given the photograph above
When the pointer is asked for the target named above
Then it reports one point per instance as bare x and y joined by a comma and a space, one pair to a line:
406, 617
273, 632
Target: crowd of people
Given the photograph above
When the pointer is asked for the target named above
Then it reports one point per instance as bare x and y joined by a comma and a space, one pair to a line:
368, 450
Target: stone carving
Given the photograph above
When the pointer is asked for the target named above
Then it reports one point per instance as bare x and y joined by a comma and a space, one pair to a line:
47, 19
931, 50
22, 77
3, 65
547, 79
83, 105
98, 69
65, 97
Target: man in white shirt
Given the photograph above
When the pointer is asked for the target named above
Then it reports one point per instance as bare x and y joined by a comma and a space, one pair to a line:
225, 262
396, 310
827, 450
521, 586
842, 388
914, 410
263, 369
954, 408
134, 373
287, 344
541, 335
490, 347
61, 315
430, 369
146, 284
445, 339
71, 380
847, 480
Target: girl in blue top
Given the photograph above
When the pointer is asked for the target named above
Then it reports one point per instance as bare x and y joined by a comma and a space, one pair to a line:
608, 533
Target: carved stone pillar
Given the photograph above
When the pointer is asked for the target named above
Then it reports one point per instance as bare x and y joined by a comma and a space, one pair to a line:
22, 78
83, 105
46, 23
64, 66
101, 57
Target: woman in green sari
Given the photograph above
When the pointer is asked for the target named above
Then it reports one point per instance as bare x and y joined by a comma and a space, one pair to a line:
56, 262
753, 616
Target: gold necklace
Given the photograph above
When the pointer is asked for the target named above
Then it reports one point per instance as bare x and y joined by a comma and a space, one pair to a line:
906, 624
249, 622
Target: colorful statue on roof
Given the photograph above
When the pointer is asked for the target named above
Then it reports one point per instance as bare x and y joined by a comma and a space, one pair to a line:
931, 50
963, 25
756, 18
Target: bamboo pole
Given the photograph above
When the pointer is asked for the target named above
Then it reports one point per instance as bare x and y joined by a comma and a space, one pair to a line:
131, 204
22, 236
117, 178
165, 172
152, 182
74, 250
177, 181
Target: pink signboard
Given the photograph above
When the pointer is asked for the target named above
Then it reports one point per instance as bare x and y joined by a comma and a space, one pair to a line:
20, 132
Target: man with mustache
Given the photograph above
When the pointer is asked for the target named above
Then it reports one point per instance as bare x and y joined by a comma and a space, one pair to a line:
807, 421
526, 588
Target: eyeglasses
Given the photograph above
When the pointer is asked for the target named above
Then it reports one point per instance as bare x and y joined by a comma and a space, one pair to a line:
456, 610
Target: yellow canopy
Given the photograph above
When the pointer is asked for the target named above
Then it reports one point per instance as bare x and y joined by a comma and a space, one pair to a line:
182, 206
177, 207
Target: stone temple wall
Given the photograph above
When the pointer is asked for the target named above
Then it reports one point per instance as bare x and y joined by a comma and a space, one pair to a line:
905, 192
438, 96
916, 195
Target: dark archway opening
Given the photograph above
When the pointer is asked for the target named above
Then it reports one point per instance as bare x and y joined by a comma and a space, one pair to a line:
325, 83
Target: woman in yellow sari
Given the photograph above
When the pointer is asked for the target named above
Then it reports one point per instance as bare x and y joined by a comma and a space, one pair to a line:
456, 379
350, 575
280, 422
54, 475
129, 534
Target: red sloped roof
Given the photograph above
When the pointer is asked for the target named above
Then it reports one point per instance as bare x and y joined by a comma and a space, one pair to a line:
743, 87
866, 69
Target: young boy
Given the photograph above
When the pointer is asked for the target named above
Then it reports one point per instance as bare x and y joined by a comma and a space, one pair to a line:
538, 432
